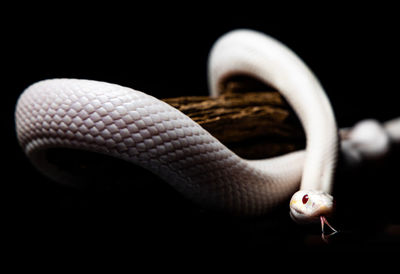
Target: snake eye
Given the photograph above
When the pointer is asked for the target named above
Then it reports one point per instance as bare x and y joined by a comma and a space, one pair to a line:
305, 199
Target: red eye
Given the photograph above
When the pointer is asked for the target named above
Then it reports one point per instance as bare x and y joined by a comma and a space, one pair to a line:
305, 199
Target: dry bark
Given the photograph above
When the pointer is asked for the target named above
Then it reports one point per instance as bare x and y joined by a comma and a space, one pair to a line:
248, 117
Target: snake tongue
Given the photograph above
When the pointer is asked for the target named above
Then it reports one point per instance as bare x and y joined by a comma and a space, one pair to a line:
325, 236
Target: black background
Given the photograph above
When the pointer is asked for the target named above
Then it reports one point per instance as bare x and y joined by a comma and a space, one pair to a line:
163, 51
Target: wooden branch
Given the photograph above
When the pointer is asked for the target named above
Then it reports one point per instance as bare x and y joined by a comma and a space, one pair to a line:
254, 124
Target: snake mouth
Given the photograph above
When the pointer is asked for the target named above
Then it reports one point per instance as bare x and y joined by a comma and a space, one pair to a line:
298, 216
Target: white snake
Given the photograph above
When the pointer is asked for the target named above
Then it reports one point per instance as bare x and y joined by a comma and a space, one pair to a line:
139, 128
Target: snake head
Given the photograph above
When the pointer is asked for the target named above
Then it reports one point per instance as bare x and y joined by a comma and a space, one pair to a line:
311, 206
307, 206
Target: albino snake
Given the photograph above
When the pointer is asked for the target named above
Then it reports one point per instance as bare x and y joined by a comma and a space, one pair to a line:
134, 126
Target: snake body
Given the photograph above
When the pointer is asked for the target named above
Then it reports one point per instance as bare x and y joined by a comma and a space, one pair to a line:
134, 126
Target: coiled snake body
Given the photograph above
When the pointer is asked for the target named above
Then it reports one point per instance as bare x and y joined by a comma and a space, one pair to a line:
131, 125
